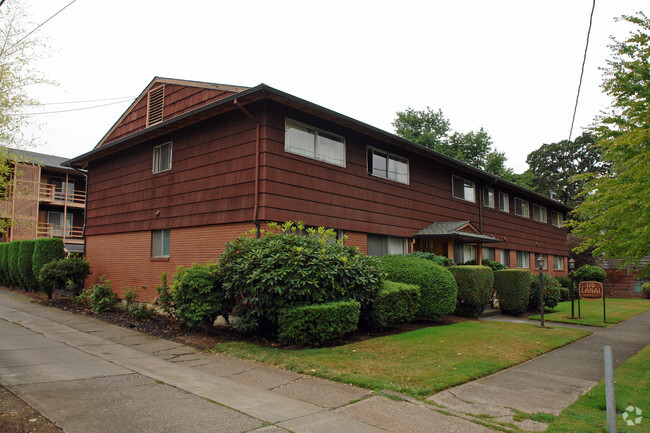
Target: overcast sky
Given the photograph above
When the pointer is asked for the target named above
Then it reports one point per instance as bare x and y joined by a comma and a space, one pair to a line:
511, 67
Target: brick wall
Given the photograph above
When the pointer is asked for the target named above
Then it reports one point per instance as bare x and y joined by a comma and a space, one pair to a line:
359, 240
125, 258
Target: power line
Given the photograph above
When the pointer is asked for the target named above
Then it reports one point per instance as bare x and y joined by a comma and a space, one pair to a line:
40, 25
87, 101
584, 59
75, 109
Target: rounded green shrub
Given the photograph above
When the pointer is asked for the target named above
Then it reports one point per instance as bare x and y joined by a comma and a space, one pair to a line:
4, 277
590, 273
551, 292
438, 288
14, 270
395, 303
101, 296
513, 290
645, 289
46, 250
68, 274
198, 296
285, 270
474, 289
26, 251
313, 325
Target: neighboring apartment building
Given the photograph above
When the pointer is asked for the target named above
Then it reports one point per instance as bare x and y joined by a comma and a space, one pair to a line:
43, 199
191, 166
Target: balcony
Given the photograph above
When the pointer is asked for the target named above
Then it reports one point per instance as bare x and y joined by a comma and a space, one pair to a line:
73, 235
52, 194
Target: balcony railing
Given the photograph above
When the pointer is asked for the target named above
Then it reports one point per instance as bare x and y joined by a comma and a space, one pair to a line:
70, 234
54, 194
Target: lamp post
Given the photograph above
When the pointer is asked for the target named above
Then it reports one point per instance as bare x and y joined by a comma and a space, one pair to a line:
572, 265
540, 266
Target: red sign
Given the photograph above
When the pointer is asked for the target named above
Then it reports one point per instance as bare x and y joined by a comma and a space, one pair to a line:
590, 290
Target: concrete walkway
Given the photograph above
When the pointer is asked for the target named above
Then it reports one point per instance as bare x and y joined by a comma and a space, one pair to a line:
89, 376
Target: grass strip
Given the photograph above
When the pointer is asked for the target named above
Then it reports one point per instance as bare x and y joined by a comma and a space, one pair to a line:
588, 413
417, 363
591, 311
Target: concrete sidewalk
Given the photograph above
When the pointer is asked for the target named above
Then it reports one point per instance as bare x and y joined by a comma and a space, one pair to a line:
89, 376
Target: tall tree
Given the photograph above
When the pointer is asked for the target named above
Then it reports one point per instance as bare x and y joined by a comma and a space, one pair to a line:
554, 168
431, 129
614, 217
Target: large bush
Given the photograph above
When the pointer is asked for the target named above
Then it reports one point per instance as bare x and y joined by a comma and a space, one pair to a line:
474, 289
438, 260
4, 270
46, 250
313, 325
513, 290
551, 292
438, 288
26, 252
14, 270
645, 289
198, 296
284, 270
395, 303
590, 273
68, 274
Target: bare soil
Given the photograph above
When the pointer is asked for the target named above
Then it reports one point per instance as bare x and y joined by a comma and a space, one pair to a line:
16, 416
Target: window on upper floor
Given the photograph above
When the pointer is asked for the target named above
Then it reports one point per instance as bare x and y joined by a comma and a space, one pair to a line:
523, 259
504, 202
379, 245
314, 143
63, 188
557, 219
155, 105
521, 207
58, 225
162, 157
387, 165
463, 189
488, 197
558, 263
539, 213
160, 243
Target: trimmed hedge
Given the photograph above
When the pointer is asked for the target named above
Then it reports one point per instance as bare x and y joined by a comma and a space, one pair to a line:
198, 296
26, 251
68, 274
474, 289
46, 250
435, 258
313, 325
590, 273
513, 290
14, 271
4, 269
395, 303
438, 288
645, 289
551, 292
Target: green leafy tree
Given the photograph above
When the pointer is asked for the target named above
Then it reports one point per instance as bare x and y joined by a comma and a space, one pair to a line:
553, 169
431, 129
614, 217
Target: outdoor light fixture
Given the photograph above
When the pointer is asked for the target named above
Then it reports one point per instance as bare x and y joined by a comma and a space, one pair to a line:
540, 266
572, 264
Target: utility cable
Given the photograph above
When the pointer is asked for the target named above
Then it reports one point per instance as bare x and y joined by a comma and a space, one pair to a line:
76, 109
584, 59
89, 100
40, 25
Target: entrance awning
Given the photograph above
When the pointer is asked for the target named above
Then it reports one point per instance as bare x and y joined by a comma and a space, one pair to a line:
463, 231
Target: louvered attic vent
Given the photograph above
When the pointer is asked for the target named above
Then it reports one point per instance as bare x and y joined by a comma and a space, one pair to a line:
155, 103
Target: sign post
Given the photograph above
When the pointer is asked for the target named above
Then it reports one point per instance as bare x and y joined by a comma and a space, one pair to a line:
592, 290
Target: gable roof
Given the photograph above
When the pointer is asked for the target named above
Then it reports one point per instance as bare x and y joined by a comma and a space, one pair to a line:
460, 230
263, 91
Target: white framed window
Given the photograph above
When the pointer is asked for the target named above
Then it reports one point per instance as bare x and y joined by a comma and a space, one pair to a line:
379, 245
55, 222
488, 253
463, 189
464, 253
543, 256
504, 202
388, 166
539, 213
557, 219
523, 259
558, 263
162, 157
488, 197
314, 143
160, 243
504, 258
521, 208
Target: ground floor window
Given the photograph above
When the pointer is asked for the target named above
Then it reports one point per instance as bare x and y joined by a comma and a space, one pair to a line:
160, 243
464, 253
543, 256
558, 263
379, 245
488, 253
504, 258
523, 259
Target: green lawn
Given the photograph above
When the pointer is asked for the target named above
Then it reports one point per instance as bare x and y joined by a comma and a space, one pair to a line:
618, 310
588, 415
419, 362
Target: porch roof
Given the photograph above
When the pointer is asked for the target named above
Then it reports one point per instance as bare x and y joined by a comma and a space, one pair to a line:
457, 230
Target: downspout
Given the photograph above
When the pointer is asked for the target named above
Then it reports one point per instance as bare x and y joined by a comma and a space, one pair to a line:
257, 167
83, 230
